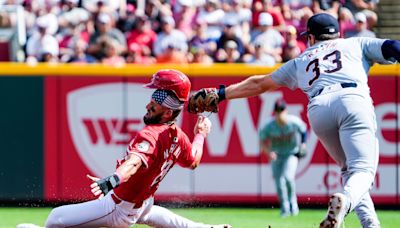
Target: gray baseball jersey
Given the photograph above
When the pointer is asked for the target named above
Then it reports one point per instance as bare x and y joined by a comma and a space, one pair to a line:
331, 62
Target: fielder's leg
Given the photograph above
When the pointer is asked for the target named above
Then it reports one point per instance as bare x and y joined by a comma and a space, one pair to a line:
365, 210
359, 142
366, 213
325, 126
289, 173
280, 184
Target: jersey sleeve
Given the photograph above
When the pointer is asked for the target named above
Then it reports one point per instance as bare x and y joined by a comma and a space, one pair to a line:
186, 158
286, 75
143, 145
372, 49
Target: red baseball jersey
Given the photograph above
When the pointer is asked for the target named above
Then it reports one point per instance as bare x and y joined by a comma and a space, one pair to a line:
159, 146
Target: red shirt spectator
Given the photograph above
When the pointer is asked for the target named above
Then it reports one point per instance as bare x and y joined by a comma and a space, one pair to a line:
142, 35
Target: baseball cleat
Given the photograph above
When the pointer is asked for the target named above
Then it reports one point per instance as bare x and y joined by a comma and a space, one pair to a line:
337, 210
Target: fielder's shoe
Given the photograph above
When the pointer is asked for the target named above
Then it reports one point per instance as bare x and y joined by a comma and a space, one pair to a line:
337, 210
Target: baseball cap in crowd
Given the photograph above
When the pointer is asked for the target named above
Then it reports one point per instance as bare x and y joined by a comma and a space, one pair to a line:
168, 20
322, 23
280, 105
360, 17
104, 18
265, 19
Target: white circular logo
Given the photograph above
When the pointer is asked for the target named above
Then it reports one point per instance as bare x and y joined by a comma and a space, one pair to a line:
143, 146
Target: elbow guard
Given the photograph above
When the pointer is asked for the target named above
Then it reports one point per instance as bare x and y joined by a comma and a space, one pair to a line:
391, 50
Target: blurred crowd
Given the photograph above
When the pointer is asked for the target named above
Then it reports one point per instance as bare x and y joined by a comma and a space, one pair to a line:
263, 32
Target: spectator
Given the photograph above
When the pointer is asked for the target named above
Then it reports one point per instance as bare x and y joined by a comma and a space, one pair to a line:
259, 56
361, 29
279, 140
266, 6
368, 7
297, 12
326, 6
113, 52
135, 55
346, 21
169, 35
79, 53
271, 38
185, 16
212, 15
358, 5
199, 55
105, 31
142, 36
229, 34
173, 55
236, 10
229, 54
70, 13
292, 47
200, 39
41, 43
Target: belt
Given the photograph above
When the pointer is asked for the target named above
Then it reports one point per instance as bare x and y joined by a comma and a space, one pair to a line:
343, 85
118, 201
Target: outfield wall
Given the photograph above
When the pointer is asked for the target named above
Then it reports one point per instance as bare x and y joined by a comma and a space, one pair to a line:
59, 123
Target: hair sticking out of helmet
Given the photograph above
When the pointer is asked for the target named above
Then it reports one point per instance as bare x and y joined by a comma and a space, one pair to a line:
172, 80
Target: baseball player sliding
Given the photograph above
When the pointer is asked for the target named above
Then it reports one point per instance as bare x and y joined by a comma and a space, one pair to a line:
333, 73
126, 196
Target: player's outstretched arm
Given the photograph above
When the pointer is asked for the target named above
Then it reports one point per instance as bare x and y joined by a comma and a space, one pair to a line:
251, 86
100, 187
201, 130
207, 100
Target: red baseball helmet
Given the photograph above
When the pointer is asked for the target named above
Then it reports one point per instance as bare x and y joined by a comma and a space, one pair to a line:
173, 80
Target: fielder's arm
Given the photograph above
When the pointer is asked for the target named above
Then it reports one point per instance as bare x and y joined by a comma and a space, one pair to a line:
251, 86
266, 148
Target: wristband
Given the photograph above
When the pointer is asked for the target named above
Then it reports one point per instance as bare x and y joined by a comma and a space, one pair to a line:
221, 93
108, 183
121, 178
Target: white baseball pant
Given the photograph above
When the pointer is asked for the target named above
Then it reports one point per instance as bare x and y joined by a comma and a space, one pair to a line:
344, 121
106, 213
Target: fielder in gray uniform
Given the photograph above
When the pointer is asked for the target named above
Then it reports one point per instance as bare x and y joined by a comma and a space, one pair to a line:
333, 72
283, 139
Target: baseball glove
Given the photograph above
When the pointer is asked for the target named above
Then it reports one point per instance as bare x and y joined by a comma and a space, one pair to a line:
206, 100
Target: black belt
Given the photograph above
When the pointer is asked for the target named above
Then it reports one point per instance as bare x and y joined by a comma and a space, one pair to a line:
343, 85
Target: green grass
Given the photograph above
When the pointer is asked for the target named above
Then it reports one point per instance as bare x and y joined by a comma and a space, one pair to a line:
237, 217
